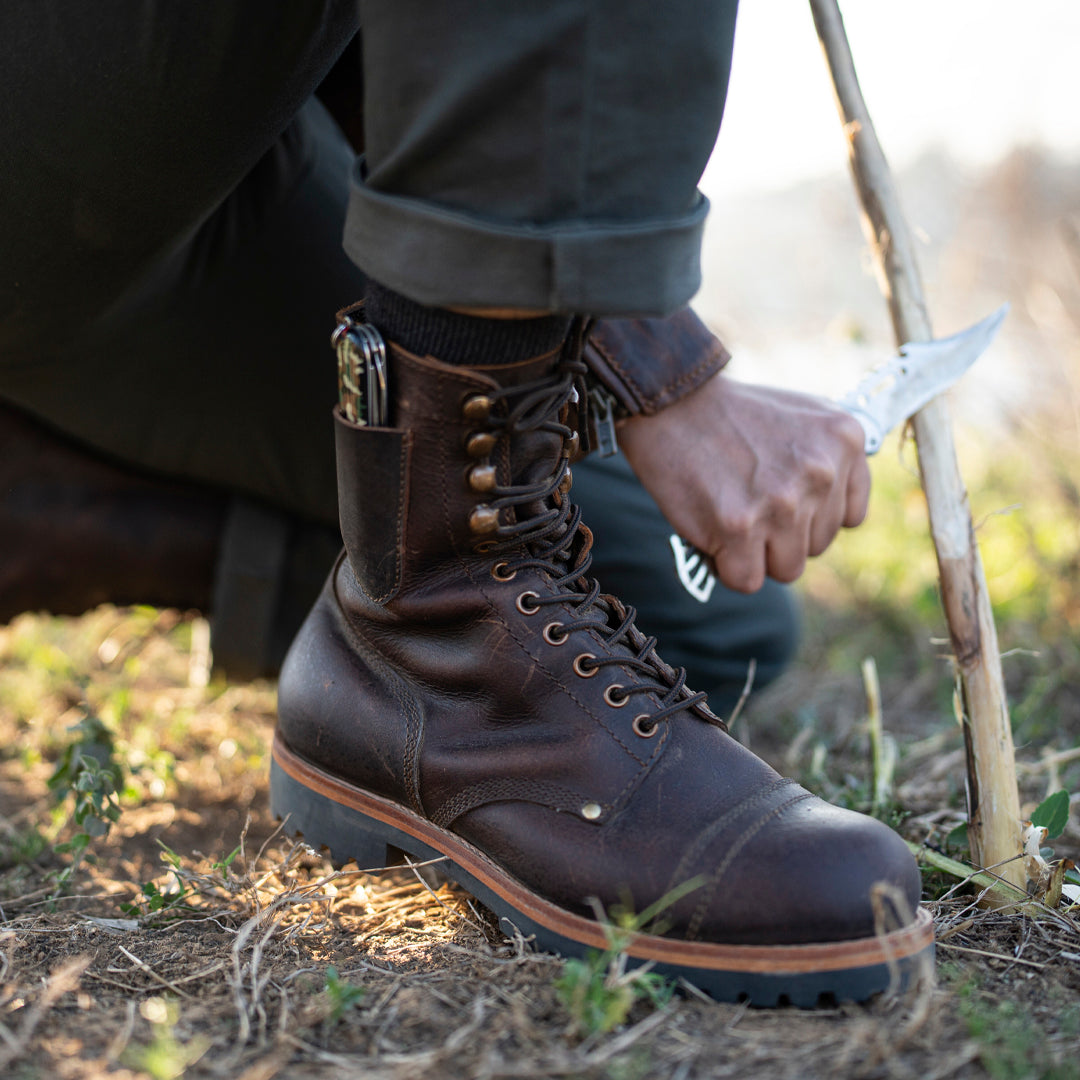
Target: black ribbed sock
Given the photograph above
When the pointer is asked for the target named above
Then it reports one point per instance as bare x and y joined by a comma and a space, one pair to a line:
454, 338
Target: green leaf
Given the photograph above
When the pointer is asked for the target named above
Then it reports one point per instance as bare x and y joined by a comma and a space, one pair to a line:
1053, 814
958, 837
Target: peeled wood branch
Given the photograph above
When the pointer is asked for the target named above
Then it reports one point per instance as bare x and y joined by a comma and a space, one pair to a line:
993, 798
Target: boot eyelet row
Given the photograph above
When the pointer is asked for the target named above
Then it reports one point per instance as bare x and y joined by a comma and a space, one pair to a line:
616, 696
501, 572
644, 726
555, 635
584, 666
528, 602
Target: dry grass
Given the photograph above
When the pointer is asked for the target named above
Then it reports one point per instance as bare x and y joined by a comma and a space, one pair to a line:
273, 963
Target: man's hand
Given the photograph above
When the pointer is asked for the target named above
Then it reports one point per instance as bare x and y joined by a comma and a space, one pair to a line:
757, 478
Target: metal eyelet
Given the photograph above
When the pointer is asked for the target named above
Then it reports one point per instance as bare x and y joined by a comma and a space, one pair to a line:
476, 408
555, 635
527, 608
644, 726
482, 478
501, 572
616, 696
581, 669
483, 519
480, 444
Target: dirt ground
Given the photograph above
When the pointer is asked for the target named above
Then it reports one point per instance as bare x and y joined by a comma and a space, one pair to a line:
272, 963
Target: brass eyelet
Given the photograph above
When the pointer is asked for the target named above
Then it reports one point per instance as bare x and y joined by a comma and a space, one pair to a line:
480, 444
581, 669
482, 547
502, 572
483, 519
482, 478
476, 408
527, 608
644, 726
554, 634
616, 696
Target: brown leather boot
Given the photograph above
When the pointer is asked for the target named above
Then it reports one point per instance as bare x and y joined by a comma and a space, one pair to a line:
463, 689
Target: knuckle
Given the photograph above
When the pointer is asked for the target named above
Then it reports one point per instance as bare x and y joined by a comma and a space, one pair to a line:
821, 474
737, 523
847, 431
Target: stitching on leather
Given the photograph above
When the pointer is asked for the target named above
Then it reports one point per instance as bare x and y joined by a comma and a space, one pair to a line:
613, 363
395, 684
716, 351
402, 508
706, 836
506, 789
700, 912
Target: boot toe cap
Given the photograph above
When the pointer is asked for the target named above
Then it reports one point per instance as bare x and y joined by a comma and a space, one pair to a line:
813, 873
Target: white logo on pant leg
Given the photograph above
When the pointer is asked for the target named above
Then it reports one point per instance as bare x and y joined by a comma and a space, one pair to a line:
693, 573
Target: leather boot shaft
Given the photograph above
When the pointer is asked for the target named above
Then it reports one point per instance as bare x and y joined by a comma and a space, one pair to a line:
416, 496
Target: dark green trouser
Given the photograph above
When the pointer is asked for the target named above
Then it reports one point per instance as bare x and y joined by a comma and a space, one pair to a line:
169, 259
172, 203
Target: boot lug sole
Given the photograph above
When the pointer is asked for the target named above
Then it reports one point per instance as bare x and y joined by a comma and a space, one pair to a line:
357, 825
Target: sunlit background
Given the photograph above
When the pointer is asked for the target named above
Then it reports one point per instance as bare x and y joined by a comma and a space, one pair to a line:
976, 105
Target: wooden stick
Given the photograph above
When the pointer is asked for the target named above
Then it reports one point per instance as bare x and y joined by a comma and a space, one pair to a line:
993, 798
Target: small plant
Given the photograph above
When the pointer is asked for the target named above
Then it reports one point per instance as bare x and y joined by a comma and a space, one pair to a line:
173, 900
341, 996
86, 785
1012, 1043
19, 847
165, 1057
599, 991
1049, 880
1056, 878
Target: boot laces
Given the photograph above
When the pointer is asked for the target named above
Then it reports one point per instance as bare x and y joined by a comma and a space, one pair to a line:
546, 533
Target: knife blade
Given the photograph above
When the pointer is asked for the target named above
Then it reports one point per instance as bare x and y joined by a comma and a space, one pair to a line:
901, 386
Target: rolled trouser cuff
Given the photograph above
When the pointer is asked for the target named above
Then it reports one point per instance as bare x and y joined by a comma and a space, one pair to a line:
447, 258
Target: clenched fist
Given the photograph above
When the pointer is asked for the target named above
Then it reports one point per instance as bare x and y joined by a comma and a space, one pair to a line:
758, 478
